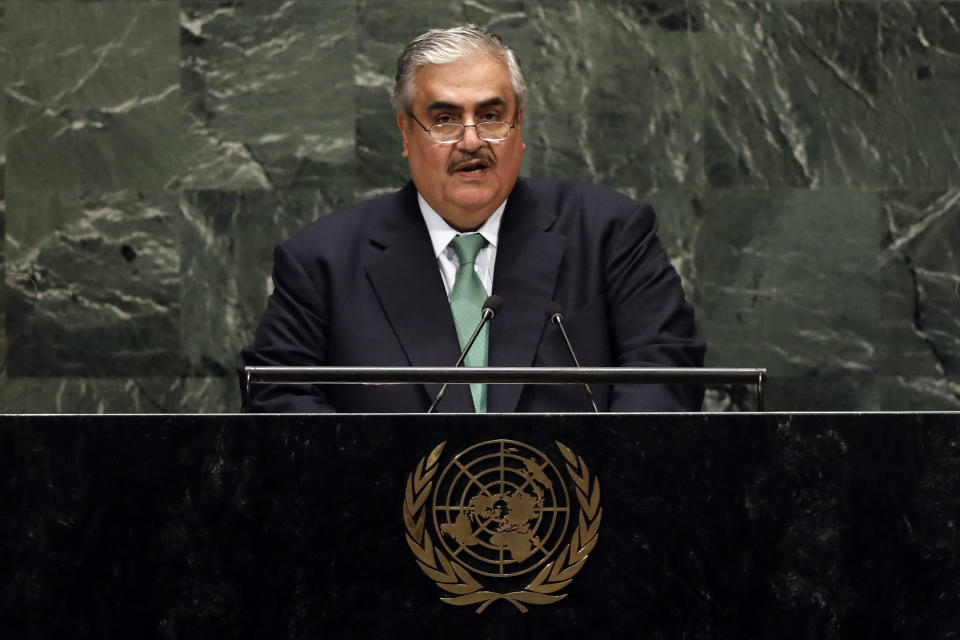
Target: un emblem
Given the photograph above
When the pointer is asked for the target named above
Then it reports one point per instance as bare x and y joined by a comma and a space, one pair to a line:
497, 511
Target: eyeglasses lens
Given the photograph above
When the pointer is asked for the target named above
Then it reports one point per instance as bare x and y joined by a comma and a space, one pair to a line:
490, 131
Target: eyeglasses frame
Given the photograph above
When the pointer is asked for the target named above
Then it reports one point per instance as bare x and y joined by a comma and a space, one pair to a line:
463, 129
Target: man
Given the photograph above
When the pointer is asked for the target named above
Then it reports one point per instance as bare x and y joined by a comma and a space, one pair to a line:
379, 283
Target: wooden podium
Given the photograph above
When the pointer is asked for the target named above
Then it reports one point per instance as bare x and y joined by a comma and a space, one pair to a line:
294, 526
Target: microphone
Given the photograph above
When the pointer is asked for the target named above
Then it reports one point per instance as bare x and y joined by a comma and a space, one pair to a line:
555, 313
491, 307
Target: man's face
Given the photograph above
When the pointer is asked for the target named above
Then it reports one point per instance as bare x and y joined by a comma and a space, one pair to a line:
465, 181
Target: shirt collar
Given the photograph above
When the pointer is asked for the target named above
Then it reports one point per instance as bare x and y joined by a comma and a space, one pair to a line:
442, 233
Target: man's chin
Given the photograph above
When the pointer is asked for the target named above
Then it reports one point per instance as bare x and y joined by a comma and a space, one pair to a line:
472, 194
470, 215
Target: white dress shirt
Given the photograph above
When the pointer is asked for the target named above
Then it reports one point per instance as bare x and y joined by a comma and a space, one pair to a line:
442, 233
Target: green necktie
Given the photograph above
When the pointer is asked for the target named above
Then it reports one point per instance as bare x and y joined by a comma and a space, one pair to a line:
466, 303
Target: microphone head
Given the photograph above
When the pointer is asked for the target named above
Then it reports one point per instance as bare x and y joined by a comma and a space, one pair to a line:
553, 310
493, 304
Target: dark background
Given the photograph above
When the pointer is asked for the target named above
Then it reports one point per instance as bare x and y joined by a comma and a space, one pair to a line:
803, 156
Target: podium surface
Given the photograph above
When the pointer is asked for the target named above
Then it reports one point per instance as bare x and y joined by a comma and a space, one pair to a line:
296, 526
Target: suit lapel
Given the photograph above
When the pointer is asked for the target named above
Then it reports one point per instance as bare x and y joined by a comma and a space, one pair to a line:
525, 276
407, 282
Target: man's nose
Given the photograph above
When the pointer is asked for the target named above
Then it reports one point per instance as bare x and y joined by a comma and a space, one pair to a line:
471, 139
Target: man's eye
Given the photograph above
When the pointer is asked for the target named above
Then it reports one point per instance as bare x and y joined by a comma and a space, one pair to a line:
445, 120
492, 117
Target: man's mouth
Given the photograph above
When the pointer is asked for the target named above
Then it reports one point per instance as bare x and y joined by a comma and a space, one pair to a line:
470, 167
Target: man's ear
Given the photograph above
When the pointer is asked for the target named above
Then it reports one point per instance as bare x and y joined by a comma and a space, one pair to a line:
519, 120
403, 123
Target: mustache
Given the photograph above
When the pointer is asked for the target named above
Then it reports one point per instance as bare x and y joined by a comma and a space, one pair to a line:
484, 155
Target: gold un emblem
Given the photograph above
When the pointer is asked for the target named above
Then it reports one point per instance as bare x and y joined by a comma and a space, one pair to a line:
497, 512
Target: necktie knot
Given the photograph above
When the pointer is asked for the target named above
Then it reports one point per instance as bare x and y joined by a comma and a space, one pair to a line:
467, 247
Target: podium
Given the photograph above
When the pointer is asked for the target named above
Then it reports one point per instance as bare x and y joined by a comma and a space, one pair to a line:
293, 526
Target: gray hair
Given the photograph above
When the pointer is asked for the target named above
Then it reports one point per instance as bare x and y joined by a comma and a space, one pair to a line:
443, 46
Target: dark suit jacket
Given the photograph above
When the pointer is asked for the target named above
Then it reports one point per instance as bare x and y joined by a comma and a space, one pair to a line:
361, 287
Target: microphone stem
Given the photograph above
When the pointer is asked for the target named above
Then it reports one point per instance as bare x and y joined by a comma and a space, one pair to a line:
487, 314
558, 321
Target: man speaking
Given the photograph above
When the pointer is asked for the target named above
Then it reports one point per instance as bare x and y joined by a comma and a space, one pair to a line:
400, 280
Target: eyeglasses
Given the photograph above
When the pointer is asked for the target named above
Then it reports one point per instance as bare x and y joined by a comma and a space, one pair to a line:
450, 132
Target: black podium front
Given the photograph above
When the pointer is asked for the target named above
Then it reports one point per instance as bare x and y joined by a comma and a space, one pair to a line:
697, 525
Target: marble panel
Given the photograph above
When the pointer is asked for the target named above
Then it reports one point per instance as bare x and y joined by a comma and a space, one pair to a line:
792, 93
4, 74
91, 95
227, 259
268, 94
4, 62
919, 268
785, 280
919, 93
848, 296
108, 270
613, 95
121, 395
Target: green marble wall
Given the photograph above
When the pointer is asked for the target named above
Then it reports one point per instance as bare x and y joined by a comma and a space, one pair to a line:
804, 158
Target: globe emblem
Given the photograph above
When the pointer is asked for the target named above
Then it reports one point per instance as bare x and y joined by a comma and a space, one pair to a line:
501, 508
